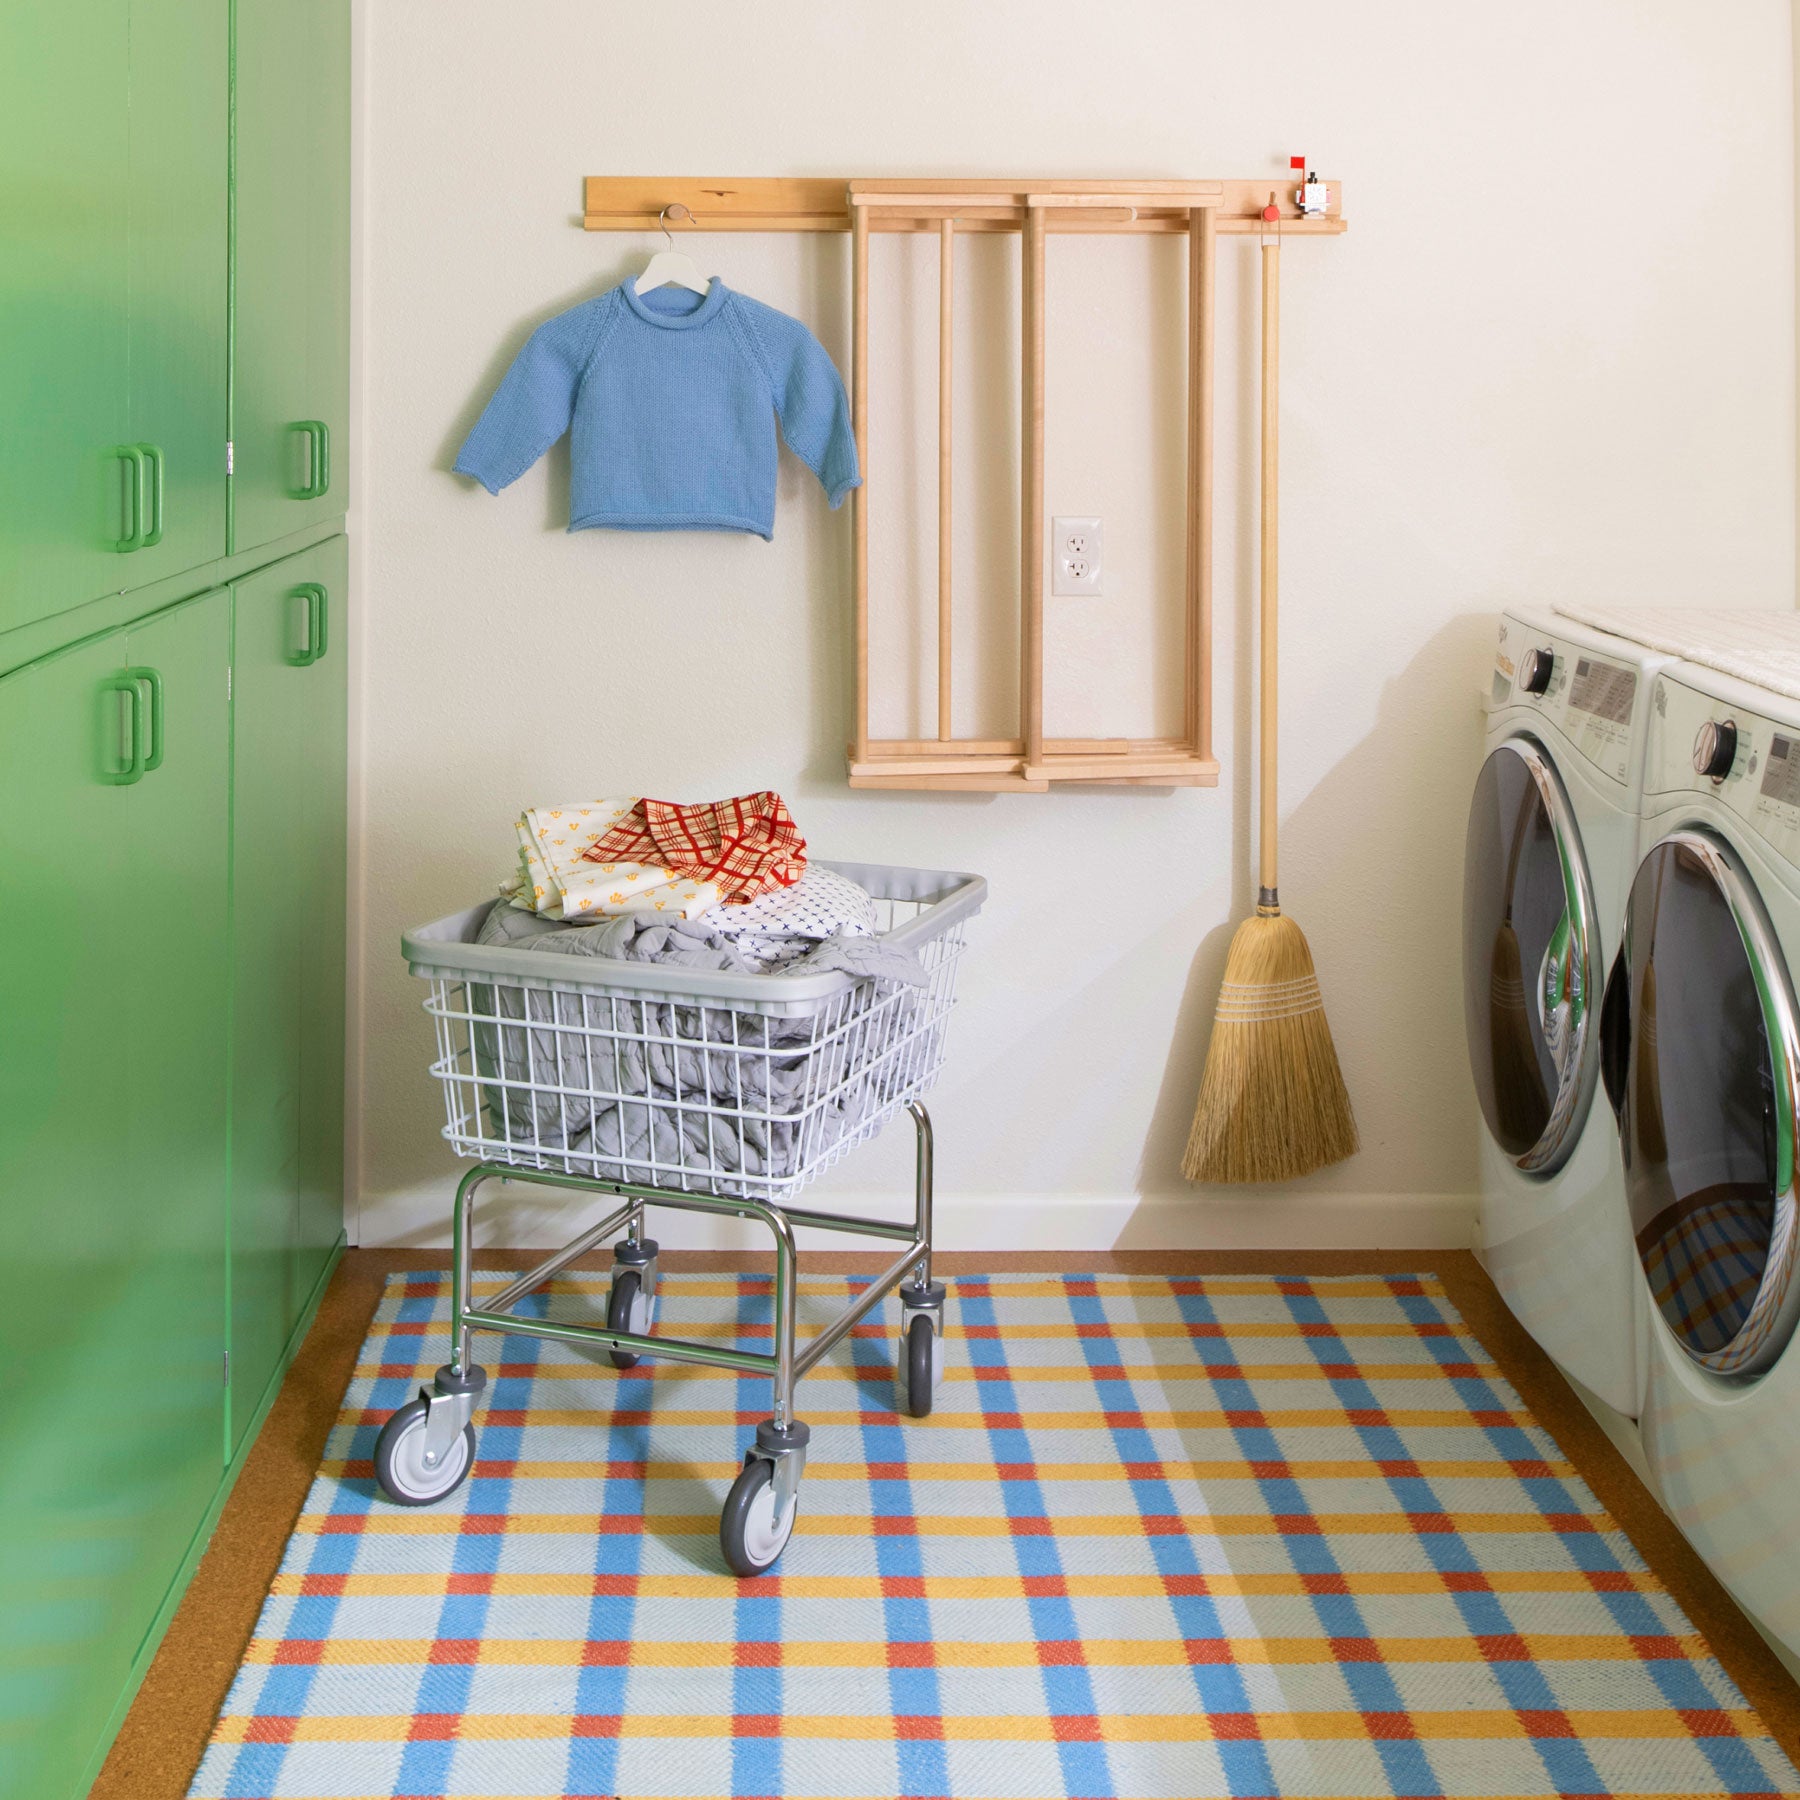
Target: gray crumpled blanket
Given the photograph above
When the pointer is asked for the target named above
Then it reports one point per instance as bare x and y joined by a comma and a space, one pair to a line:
658, 1093
692, 944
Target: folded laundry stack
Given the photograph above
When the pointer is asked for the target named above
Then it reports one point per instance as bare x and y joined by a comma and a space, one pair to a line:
605, 858
724, 885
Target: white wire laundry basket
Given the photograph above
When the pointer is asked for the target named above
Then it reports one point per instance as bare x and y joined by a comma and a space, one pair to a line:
692, 1080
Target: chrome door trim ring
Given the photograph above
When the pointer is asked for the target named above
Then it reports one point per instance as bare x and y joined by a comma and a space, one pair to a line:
1581, 1065
1775, 1311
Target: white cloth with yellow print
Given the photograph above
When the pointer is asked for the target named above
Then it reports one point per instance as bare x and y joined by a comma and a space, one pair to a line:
554, 882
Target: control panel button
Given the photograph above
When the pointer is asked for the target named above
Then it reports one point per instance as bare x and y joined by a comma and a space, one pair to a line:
1535, 669
1715, 748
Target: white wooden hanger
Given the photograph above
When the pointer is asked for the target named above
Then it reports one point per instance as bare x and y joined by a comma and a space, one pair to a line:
671, 267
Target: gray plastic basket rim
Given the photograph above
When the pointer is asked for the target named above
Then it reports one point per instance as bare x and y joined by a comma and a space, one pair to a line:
445, 950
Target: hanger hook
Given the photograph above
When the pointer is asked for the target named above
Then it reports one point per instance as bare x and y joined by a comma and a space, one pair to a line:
680, 211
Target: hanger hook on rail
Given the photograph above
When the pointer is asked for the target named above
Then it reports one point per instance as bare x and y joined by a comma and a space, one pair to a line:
680, 212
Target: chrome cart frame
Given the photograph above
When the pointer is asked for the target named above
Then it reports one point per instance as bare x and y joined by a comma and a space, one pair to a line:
785, 1365
781, 1441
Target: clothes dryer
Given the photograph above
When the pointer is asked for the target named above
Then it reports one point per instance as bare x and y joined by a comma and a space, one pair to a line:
1701, 1059
1551, 846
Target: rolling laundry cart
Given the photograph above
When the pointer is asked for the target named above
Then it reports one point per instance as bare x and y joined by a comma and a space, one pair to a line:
699, 1091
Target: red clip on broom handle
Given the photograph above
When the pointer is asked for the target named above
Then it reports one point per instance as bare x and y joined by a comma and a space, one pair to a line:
1267, 900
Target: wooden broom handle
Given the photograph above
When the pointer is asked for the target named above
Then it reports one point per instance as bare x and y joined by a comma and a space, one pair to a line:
1271, 345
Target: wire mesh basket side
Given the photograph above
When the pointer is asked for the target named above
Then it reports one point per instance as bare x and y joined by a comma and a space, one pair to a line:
698, 1095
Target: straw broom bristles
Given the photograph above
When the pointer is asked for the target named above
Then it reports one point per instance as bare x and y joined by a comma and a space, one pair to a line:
1272, 1103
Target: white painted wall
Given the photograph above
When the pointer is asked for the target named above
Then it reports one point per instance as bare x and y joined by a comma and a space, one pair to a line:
1553, 356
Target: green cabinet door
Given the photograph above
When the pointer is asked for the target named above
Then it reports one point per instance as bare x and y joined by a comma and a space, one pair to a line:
179, 200
65, 124
114, 987
114, 166
288, 858
290, 266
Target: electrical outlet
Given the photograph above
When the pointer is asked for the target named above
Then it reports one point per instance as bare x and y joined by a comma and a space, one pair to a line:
1077, 556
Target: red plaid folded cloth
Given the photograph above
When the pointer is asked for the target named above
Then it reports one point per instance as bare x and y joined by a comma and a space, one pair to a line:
745, 846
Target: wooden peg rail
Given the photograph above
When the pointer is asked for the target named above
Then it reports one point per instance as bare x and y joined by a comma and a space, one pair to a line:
1201, 210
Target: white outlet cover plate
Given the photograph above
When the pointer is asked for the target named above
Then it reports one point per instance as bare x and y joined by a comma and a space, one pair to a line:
1077, 555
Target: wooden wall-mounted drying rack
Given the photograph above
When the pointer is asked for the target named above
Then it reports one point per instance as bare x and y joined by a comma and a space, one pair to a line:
1202, 210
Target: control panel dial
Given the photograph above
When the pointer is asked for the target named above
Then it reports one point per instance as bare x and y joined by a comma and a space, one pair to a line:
1535, 669
1715, 748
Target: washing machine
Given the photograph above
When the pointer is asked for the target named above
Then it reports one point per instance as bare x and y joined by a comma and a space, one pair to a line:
1701, 1054
1551, 846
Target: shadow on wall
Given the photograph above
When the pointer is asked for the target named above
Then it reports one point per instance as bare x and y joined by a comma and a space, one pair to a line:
1394, 1025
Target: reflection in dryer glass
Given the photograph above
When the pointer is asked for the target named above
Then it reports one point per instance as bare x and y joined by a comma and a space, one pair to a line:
1524, 990
1699, 1109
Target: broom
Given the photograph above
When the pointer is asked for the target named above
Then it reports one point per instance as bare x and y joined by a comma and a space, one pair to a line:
1272, 1102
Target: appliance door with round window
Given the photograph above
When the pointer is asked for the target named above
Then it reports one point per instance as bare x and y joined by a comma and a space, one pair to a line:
1705, 1097
1530, 946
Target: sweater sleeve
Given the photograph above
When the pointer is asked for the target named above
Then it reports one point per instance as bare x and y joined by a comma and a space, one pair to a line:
533, 405
809, 398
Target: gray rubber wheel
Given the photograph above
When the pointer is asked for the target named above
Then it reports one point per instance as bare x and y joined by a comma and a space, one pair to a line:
400, 1459
919, 1371
750, 1535
628, 1308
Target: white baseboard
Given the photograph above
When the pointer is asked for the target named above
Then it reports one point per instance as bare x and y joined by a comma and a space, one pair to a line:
1273, 1219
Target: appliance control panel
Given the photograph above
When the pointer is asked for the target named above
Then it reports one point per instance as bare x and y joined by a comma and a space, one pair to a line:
1740, 759
1591, 699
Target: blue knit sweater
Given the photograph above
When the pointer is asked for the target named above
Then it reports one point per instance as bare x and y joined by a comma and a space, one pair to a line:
672, 399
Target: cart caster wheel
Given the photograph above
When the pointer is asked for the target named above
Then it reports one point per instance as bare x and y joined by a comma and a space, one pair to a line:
921, 1358
750, 1535
400, 1459
628, 1308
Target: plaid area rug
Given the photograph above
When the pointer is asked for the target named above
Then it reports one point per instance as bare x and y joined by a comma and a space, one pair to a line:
1162, 1537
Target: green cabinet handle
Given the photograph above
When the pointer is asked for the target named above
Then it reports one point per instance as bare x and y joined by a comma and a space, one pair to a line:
134, 538
132, 757
150, 455
318, 623
153, 681
318, 458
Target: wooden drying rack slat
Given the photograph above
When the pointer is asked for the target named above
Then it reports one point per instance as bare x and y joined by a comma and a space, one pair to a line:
1031, 512
946, 335
1203, 211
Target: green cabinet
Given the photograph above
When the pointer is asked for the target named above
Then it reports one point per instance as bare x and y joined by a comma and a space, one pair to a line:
174, 270
113, 297
114, 983
291, 267
288, 830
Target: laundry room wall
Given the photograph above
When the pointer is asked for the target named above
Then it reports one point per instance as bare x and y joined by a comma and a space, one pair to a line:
1553, 356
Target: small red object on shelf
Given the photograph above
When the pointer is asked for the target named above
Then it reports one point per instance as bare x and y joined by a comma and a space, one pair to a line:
1312, 196
1271, 213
